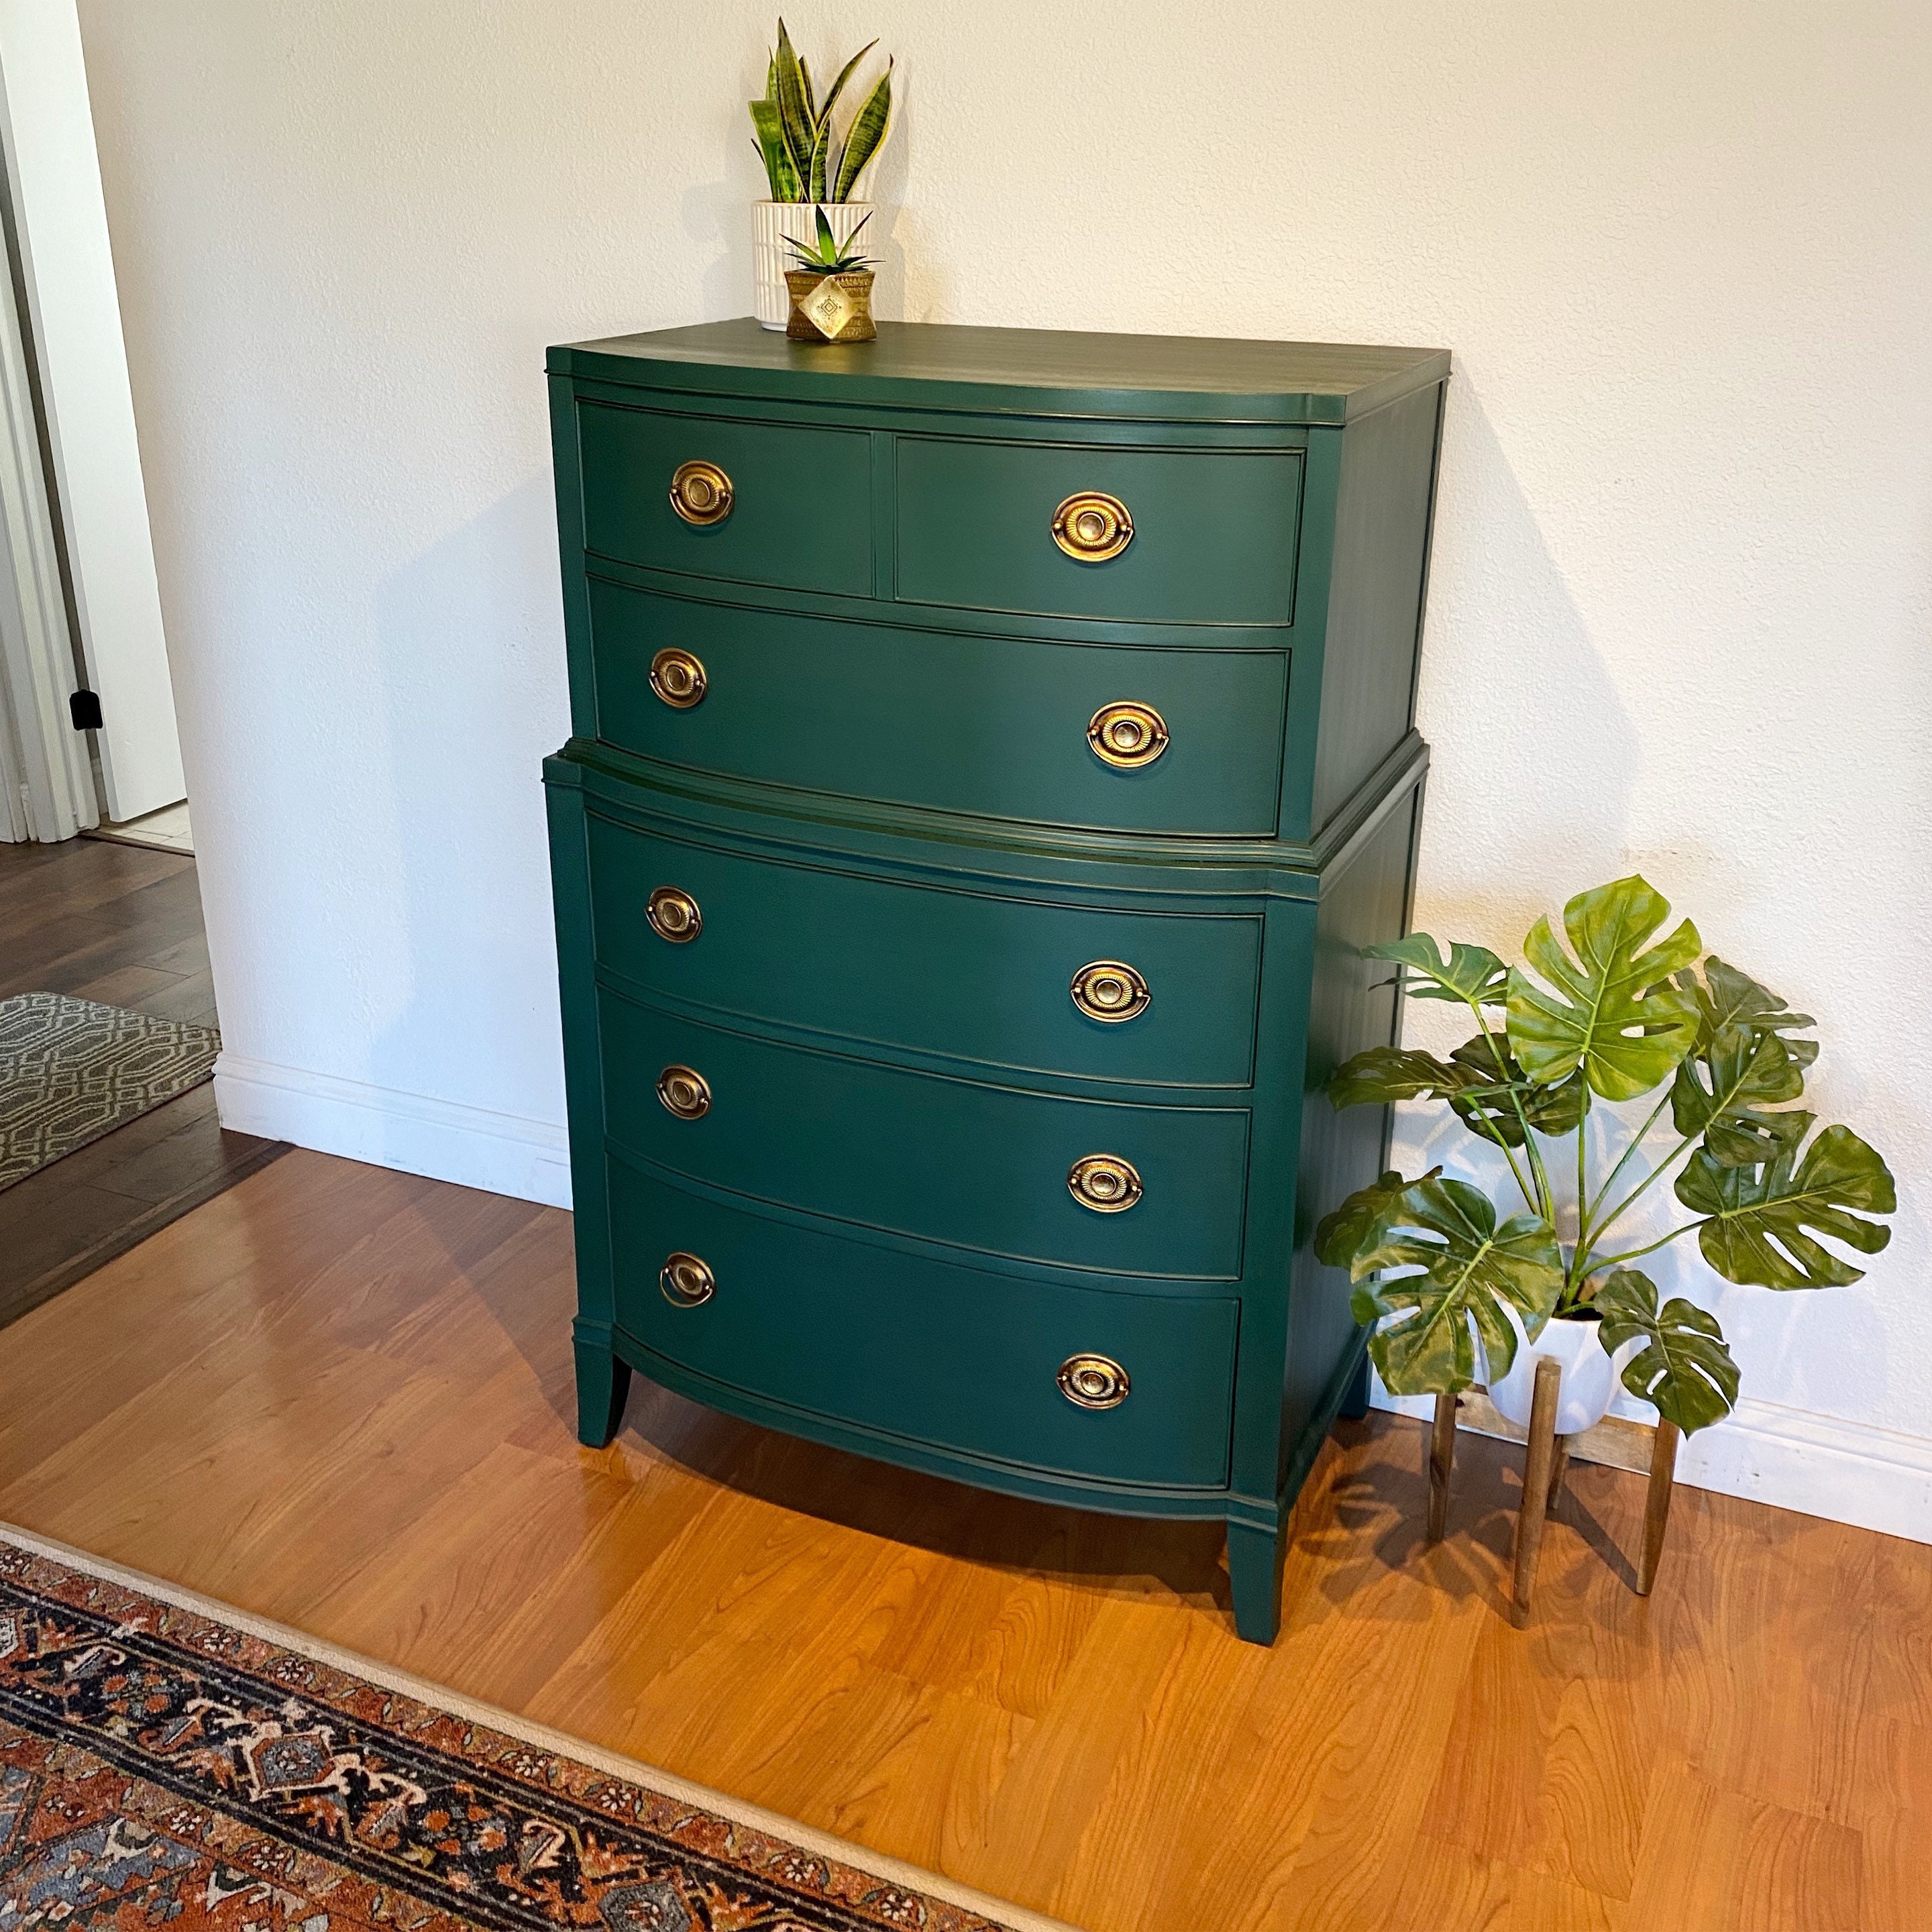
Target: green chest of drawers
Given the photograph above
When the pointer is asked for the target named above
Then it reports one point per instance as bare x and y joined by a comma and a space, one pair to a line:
991, 751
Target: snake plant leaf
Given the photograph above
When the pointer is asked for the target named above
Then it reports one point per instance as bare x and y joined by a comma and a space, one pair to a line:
780, 175
1341, 1236
1472, 974
862, 139
1493, 1092
844, 75
1724, 1089
1459, 1270
795, 120
811, 111
821, 146
1727, 997
1684, 1368
1761, 1219
1614, 1011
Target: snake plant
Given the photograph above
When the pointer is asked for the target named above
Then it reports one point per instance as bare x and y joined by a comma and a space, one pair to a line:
1619, 1014
804, 159
825, 255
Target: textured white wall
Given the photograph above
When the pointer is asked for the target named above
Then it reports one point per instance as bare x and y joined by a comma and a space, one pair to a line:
1680, 605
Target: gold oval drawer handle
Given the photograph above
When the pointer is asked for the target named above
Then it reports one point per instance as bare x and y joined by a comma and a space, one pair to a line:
1093, 1381
685, 1092
674, 916
701, 493
1110, 990
686, 1282
678, 679
1104, 1182
1091, 527
1127, 735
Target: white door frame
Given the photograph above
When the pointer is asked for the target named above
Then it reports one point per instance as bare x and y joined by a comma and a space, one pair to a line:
44, 768
74, 324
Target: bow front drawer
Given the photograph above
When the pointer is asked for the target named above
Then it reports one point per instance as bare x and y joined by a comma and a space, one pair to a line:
1174, 536
1026, 983
1006, 727
995, 1170
928, 1352
758, 503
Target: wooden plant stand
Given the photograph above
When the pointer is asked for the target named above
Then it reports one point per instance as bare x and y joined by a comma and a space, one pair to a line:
1545, 1467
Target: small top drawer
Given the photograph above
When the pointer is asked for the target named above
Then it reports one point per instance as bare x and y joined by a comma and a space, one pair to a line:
761, 502
1208, 537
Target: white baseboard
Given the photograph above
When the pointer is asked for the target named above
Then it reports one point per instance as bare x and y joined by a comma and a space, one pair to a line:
1821, 1465
471, 1146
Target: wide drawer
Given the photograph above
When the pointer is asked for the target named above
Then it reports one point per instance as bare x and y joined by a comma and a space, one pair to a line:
972, 1165
800, 509
1213, 542
926, 1351
970, 976
990, 725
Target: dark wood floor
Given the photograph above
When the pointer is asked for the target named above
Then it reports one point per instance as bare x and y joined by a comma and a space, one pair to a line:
122, 925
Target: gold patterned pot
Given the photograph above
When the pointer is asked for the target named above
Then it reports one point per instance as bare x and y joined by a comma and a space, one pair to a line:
830, 308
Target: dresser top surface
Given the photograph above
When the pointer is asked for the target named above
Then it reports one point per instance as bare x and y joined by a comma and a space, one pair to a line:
1014, 371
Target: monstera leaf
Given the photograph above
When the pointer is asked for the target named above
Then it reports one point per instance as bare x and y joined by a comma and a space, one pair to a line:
1613, 1013
1458, 1267
1723, 1091
1485, 1101
1759, 1217
1683, 1368
1472, 974
1725, 998
1341, 1236
1390, 1073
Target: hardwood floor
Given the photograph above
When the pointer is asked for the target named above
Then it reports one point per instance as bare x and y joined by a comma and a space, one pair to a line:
122, 925
341, 1397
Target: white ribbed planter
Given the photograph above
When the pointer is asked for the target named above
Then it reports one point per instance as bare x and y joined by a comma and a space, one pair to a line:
1589, 1376
773, 223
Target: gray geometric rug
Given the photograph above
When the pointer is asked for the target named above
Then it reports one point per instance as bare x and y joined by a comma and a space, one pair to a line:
71, 1071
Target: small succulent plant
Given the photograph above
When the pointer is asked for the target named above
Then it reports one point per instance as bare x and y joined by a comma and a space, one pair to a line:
825, 255
804, 161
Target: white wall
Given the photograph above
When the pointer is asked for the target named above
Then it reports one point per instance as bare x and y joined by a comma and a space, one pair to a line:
1680, 606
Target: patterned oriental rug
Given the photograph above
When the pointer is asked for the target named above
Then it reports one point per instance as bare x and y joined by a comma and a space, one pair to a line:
165, 1762
71, 1071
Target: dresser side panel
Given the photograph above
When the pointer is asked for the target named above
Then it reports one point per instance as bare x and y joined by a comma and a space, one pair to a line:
1380, 565
1353, 1005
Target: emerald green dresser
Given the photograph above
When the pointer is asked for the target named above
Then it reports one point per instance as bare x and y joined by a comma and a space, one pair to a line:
991, 749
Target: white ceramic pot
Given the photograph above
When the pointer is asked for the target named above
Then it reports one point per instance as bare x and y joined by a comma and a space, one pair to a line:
1589, 1376
775, 223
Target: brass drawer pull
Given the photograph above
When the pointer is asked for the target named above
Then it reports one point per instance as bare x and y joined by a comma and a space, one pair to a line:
1093, 1381
1107, 989
674, 916
678, 679
685, 1092
685, 1281
701, 493
1091, 527
1104, 1182
1129, 736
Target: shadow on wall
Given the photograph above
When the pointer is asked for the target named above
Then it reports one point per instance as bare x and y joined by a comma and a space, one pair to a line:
1540, 798
472, 698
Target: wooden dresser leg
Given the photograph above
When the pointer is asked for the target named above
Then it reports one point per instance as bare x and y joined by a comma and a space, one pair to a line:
1538, 1466
1442, 1460
1355, 1403
1656, 1504
1254, 1574
603, 1384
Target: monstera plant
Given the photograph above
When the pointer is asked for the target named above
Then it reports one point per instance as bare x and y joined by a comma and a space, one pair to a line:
1624, 1011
